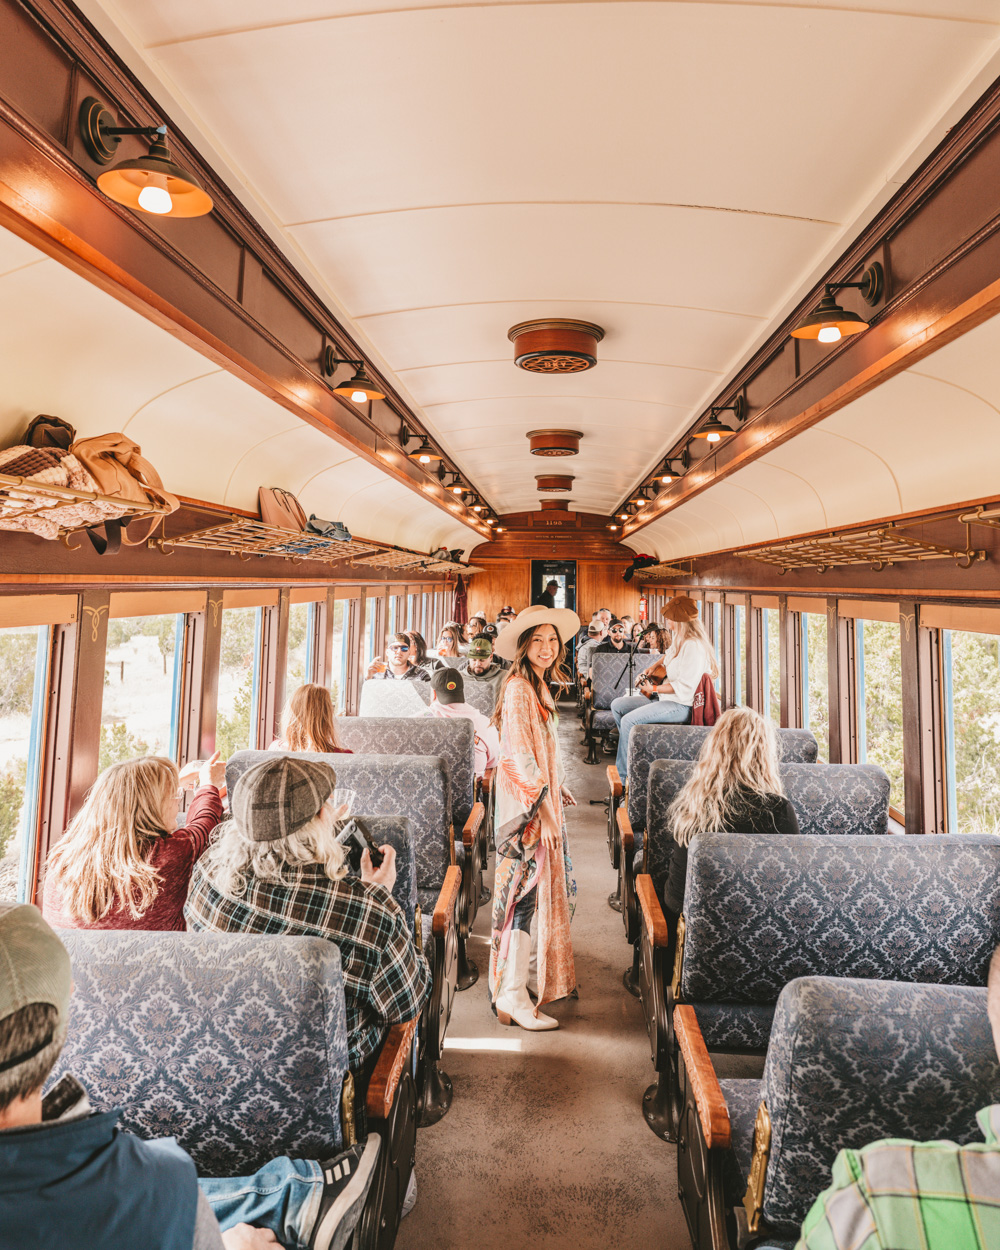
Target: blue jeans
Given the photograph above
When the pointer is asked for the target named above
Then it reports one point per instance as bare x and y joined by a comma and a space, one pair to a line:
648, 712
284, 1196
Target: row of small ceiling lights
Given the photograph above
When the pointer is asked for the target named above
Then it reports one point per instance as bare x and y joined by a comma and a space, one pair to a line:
827, 323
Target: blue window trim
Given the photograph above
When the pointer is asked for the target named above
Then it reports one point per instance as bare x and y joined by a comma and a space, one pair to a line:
28, 833
949, 733
310, 639
255, 684
738, 649
178, 685
859, 651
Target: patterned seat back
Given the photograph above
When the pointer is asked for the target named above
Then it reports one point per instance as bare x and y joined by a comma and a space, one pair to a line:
760, 910
396, 831
683, 742
415, 786
393, 698
853, 1062
480, 695
606, 675
846, 799
450, 740
234, 1044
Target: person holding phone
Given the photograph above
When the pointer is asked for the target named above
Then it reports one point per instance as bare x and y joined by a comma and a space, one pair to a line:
535, 888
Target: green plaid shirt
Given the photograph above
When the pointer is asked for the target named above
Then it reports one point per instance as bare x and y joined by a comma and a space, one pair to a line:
902, 1195
386, 979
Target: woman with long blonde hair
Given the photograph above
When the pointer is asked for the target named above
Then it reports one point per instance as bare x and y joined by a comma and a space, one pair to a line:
123, 863
735, 787
534, 885
309, 723
668, 701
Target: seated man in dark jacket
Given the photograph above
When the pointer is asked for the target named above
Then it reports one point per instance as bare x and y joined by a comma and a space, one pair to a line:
70, 1179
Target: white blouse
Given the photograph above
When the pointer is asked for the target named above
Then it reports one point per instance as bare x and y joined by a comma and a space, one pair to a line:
685, 669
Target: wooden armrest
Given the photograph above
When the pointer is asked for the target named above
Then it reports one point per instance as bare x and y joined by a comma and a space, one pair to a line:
471, 828
444, 908
614, 781
625, 830
652, 912
588, 695
708, 1095
488, 778
392, 1060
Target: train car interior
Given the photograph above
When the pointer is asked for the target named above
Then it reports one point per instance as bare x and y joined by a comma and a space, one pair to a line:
500, 624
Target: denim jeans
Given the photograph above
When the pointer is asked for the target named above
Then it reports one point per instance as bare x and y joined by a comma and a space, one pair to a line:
656, 712
284, 1196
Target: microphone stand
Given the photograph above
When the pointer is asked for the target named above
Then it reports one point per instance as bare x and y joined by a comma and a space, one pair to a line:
630, 668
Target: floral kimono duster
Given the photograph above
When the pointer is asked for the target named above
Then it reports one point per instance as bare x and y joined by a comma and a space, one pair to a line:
529, 761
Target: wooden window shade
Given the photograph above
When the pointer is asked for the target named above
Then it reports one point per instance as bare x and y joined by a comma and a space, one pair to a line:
869, 610
307, 594
735, 600
764, 601
258, 597
20, 610
952, 616
807, 605
155, 602
712, 596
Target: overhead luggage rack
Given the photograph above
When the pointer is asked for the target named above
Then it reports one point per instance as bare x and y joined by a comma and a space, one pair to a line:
393, 558
878, 548
655, 571
23, 497
245, 537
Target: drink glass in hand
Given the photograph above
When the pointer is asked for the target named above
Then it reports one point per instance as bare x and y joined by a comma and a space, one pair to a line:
378, 665
343, 802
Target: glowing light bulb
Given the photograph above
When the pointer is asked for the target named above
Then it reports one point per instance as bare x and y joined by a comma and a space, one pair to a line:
478, 507
490, 521
359, 397
666, 479
498, 530
828, 334
624, 516
154, 196
457, 490
424, 459
612, 527
714, 436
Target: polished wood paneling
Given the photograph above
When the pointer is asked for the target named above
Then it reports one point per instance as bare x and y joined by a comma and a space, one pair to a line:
503, 582
601, 586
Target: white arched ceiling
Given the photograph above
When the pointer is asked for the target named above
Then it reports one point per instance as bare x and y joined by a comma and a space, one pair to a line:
677, 172
926, 439
70, 349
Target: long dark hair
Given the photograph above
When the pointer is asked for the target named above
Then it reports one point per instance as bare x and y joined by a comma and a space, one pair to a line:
521, 668
418, 641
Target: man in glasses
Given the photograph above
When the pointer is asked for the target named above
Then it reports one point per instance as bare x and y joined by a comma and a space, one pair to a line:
398, 664
615, 640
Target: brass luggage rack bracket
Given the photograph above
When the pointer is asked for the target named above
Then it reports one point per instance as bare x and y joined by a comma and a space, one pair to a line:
982, 516
31, 498
879, 548
245, 537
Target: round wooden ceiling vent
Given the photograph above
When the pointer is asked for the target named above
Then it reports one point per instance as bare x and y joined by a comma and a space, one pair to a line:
553, 481
554, 442
555, 345
554, 505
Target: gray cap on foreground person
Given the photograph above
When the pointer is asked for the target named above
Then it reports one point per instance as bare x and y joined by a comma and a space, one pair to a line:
273, 799
71, 1179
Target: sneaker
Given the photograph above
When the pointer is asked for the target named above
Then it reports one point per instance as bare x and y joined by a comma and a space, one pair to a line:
347, 1178
410, 1201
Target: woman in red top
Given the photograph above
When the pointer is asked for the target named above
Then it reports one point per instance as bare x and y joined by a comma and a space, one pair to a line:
123, 863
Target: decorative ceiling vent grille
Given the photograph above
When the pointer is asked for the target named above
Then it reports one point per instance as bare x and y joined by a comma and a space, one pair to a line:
555, 345
878, 548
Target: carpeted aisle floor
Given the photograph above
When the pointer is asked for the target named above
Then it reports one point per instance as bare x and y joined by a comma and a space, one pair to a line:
545, 1144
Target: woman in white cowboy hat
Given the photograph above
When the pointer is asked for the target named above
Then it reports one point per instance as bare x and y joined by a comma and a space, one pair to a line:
668, 702
534, 875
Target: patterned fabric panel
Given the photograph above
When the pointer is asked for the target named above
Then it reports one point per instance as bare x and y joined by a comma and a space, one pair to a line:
395, 831
235, 1045
763, 909
391, 785
742, 1100
481, 696
393, 698
683, 742
451, 740
838, 798
604, 721
735, 1026
852, 1062
829, 799
606, 675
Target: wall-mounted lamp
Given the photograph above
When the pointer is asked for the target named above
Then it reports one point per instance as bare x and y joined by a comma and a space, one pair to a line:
499, 529
152, 183
360, 388
425, 453
713, 430
640, 497
612, 526
828, 322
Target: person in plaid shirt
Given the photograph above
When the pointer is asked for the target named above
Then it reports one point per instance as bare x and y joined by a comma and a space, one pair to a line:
902, 1195
278, 868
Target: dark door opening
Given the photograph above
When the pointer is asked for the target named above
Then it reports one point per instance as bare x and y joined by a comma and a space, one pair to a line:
563, 573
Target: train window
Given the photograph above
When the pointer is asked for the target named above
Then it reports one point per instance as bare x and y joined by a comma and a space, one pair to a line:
772, 661
971, 664
24, 663
299, 658
238, 678
338, 675
368, 647
815, 689
739, 653
139, 712
880, 694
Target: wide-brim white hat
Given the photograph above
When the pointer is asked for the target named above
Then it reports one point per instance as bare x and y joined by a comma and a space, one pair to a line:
565, 622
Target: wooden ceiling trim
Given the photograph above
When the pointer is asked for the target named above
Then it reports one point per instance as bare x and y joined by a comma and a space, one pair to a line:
219, 284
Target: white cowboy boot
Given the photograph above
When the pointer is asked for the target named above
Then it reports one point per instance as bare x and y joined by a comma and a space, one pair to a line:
533, 967
513, 1003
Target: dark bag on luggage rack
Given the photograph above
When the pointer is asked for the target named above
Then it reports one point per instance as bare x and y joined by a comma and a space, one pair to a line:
328, 529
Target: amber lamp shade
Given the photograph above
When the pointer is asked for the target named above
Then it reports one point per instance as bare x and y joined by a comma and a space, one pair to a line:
360, 389
828, 322
126, 182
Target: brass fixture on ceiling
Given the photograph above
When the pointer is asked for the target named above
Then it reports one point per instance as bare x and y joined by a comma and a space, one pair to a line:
554, 481
359, 388
555, 345
828, 322
554, 505
554, 442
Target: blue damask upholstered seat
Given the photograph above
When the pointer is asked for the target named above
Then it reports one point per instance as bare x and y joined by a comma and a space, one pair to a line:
847, 799
761, 910
649, 743
414, 786
852, 1062
393, 698
235, 1045
480, 695
451, 740
395, 831
608, 683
